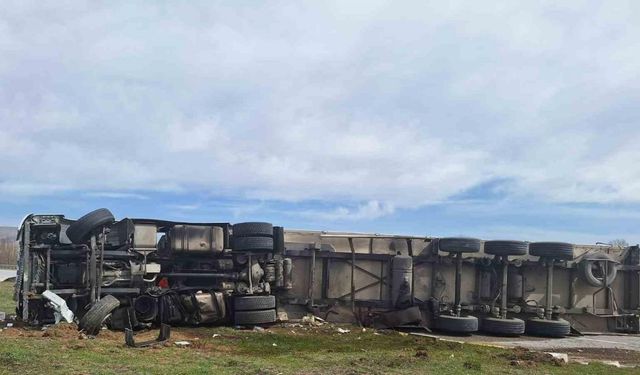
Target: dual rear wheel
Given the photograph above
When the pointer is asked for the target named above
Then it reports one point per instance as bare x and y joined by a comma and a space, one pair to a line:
254, 310
253, 236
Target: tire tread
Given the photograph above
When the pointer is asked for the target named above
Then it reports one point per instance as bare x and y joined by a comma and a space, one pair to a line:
91, 322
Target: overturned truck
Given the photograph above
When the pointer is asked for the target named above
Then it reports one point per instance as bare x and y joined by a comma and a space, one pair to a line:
135, 273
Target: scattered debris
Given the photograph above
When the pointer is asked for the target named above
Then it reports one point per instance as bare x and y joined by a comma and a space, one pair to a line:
59, 305
215, 335
282, 316
274, 344
182, 344
258, 329
519, 356
312, 320
562, 357
342, 330
3, 316
163, 335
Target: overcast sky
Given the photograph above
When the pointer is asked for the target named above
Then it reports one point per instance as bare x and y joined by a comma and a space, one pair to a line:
496, 119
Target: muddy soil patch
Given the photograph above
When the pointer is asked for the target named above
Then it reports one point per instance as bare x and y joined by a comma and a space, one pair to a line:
628, 357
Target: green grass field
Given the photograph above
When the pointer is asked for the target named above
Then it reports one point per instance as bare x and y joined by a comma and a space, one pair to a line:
6, 298
277, 350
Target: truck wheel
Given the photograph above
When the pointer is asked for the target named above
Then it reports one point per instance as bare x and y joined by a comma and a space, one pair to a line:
91, 322
502, 327
457, 324
459, 245
590, 261
253, 244
554, 250
79, 231
248, 303
253, 229
241, 318
548, 328
506, 247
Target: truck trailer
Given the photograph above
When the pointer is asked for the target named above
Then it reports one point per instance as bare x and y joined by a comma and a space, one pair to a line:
134, 273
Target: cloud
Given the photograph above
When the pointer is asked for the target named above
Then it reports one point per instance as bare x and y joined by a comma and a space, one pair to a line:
116, 195
373, 106
368, 211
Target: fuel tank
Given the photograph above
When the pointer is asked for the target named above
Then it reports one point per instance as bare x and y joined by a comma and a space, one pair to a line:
195, 240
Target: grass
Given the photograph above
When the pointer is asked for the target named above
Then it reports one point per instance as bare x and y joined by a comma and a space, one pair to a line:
6, 298
273, 351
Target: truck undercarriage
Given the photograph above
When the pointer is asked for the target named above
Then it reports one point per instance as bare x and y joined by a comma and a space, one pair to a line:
137, 273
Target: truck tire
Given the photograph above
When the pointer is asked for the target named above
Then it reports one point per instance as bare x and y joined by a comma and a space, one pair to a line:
250, 303
506, 247
253, 229
79, 231
459, 245
91, 322
547, 328
241, 318
553, 250
502, 327
253, 244
457, 324
586, 269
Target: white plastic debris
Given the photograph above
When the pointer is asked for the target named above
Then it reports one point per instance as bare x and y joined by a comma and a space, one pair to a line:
215, 335
182, 344
59, 306
342, 330
312, 320
274, 344
9, 325
564, 357
282, 316
3, 316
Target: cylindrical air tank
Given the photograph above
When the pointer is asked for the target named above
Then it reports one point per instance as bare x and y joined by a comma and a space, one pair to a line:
401, 281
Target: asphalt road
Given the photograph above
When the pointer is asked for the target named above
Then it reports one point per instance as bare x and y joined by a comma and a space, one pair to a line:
617, 349
5, 274
626, 342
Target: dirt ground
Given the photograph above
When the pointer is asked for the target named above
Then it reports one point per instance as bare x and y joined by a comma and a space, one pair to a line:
294, 348
281, 349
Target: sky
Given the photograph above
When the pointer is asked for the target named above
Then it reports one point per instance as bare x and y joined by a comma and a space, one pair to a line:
493, 119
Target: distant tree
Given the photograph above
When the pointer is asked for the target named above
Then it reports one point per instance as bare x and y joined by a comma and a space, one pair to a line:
8, 251
620, 243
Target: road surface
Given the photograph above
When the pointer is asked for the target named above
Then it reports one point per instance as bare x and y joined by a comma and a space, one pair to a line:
6, 274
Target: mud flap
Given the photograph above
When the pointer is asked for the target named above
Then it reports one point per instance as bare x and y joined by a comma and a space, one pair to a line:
165, 333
